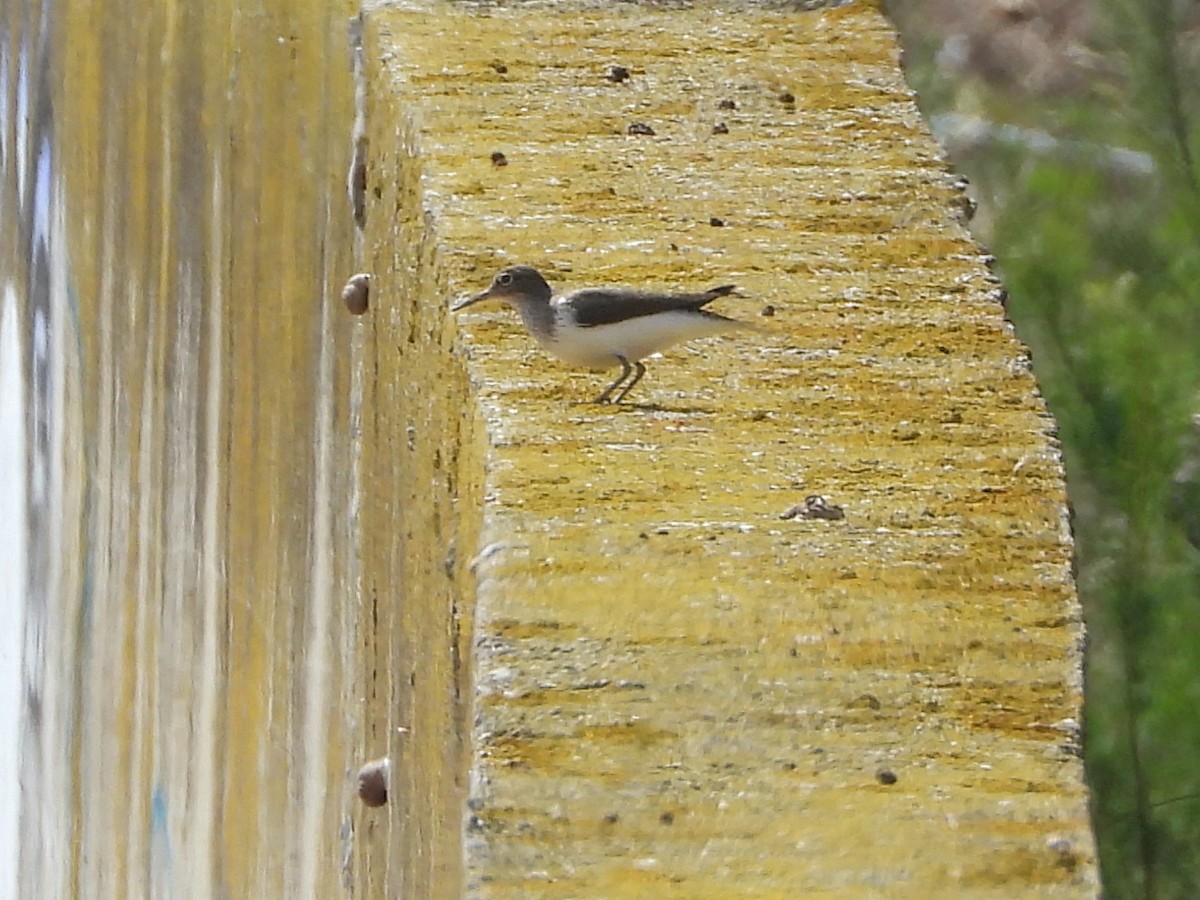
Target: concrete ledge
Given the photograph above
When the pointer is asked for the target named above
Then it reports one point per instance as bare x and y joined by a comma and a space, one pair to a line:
674, 689
265, 540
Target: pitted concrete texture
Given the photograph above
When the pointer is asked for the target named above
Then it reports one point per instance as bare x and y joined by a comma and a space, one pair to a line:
676, 692
193, 666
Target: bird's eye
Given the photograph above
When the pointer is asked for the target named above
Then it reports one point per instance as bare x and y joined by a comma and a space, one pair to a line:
504, 279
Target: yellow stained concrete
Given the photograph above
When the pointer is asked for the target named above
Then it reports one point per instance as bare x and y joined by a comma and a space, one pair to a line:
194, 653
676, 692
270, 541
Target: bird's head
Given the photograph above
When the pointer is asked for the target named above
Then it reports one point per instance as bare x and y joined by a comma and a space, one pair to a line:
514, 285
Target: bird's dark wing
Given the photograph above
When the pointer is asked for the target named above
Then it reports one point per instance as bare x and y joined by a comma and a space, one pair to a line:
604, 306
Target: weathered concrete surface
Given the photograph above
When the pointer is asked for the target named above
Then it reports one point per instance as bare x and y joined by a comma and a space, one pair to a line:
675, 691
176, 234
267, 541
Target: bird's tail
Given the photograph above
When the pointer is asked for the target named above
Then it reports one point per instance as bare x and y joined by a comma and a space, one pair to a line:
723, 291
726, 290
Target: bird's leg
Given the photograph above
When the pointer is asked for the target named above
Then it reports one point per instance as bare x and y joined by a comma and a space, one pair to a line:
641, 370
626, 368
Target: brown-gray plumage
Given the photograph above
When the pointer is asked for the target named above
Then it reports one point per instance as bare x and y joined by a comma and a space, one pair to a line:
606, 306
599, 328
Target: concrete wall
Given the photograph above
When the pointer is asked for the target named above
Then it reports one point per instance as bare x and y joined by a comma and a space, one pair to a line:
268, 540
193, 665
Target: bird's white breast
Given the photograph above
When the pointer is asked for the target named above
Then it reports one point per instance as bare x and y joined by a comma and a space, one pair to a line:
599, 346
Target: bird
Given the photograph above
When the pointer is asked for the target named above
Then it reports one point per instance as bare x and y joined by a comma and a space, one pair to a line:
600, 328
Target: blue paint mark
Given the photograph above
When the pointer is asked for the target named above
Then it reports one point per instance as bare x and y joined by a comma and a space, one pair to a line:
160, 838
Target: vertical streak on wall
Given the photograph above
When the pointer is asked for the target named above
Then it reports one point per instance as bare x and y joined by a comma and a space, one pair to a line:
13, 587
186, 661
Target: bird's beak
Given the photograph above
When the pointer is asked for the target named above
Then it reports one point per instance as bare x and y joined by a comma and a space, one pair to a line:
471, 301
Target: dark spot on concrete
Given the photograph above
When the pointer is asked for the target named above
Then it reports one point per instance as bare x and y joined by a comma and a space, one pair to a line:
814, 507
617, 74
358, 189
1064, 853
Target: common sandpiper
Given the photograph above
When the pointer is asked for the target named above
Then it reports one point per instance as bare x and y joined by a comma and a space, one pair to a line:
599, 328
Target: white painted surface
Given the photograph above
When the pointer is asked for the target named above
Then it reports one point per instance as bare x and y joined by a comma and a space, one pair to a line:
13, 550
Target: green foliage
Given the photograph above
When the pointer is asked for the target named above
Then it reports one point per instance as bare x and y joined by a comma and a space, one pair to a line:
1104, 288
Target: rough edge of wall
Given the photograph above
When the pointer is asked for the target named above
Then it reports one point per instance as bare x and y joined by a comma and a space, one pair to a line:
422, 465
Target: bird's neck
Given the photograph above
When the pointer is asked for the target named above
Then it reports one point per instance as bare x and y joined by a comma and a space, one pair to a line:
537, 315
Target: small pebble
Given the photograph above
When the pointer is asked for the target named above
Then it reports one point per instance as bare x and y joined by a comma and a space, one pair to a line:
716, 222
967, 207
499, 159
356, 293
787, 98
768, 310
639, 128
617, 74
500, 68
886, 776
814, 507
726, 104
720, 128
373, 782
